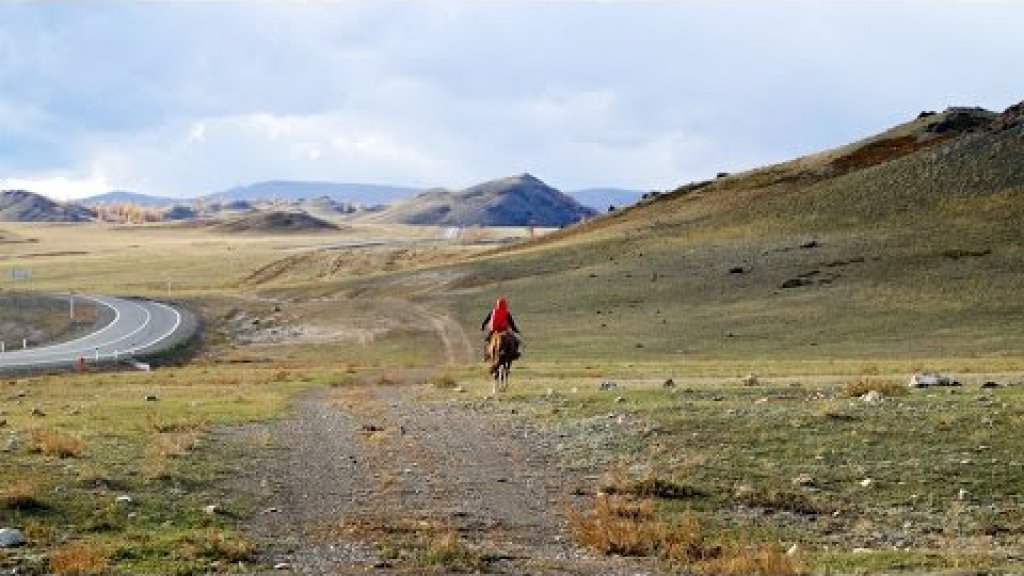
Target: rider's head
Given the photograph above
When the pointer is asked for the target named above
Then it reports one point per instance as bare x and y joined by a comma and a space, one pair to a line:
502, 303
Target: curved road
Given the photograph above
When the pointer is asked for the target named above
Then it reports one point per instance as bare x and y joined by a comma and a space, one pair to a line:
138, 327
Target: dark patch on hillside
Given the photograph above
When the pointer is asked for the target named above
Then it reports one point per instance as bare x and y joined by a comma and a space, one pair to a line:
275, 222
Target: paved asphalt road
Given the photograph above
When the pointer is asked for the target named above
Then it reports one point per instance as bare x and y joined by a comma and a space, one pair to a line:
138, 328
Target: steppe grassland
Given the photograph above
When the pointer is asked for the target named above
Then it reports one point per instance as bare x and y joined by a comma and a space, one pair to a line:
746, 453
128, 478
194, 260
928, 480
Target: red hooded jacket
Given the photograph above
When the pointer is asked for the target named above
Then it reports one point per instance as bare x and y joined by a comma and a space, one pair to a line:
500, 319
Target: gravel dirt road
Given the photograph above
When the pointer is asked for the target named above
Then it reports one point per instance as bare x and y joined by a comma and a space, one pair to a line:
369, 479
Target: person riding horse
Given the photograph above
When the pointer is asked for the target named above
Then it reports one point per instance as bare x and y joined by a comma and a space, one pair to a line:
499, 320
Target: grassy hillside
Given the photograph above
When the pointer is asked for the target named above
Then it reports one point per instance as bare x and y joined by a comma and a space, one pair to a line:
878, 249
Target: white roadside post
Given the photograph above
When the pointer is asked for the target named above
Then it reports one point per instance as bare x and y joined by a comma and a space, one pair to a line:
71, 305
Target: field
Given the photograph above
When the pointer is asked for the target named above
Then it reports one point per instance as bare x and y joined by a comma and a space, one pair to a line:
679, 465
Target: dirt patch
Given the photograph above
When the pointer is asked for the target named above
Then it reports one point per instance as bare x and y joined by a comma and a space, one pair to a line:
369, 479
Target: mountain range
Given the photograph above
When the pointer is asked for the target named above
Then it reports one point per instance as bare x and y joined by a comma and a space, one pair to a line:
514, 201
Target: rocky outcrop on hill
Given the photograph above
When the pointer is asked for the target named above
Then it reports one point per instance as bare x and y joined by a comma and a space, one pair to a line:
25, 206
516, 201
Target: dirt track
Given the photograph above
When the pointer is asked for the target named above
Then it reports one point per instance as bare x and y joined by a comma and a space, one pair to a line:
368, 480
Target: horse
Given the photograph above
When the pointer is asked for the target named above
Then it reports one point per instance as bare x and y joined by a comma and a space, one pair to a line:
504, 349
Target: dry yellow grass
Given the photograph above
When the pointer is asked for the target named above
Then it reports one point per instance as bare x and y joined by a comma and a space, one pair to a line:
79, 558
856, 388
21, 495
628, 527
53, 442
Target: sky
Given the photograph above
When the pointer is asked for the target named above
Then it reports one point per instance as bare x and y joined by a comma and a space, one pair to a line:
189, 98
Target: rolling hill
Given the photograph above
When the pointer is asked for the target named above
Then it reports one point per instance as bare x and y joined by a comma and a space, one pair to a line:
270, 222
24, 206
515, 201
123, 197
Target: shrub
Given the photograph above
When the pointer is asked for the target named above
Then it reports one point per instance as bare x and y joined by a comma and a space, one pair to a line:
444, 380
784, 501
53, 442
761, 559
78, 558
448, 551
628, 528
21, 496
633, 528
653, 487
213, 545
858, 388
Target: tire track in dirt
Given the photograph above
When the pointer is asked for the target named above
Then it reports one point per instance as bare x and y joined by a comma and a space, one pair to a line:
457, 345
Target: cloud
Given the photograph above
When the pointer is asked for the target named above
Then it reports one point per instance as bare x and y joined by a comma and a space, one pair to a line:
187, 98
59, 187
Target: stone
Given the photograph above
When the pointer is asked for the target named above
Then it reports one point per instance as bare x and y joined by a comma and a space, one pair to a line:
805, 480
930, 379
282, 566
38, 412
212, 509
873, 397
750, 380
151, 398
11, 537
793, 550
962, 494
123, 499
866, 483
619, 399
3, 422
608, 385
990, 384
668, 383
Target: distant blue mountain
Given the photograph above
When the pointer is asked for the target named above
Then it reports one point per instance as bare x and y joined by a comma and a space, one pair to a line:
123, 197
366, 194
601, 198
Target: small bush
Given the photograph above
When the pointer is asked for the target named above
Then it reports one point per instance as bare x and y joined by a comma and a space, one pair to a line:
858, 388
757, 560
629, 528
53, 442
834, 410
166, 426
78, 558
784, 501
444, 381
447, 550
21, 496
217, 545
653, 487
